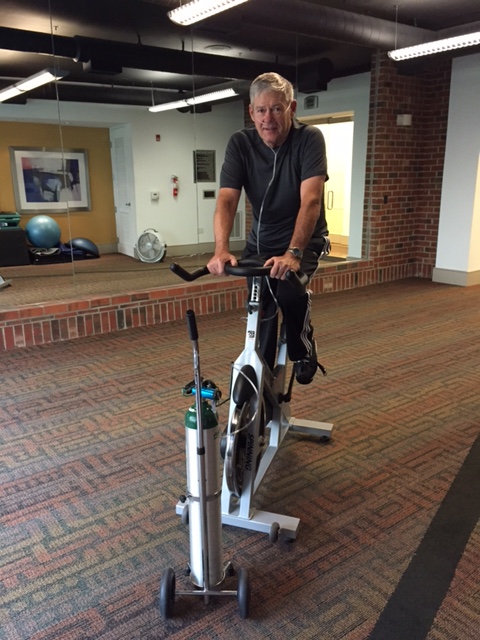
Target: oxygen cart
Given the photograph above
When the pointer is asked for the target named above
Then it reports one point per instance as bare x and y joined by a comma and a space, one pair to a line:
202, 507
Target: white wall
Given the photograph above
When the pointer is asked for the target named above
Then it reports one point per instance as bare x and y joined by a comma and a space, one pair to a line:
178, 219
458, 248
350, 94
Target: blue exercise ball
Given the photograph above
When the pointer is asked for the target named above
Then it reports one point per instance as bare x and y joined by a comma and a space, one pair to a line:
43, 232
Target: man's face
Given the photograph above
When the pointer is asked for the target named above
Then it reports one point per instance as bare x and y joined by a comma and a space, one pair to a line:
272, 117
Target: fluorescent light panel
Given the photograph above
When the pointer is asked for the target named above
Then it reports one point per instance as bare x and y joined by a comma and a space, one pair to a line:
437, 46
197, 10
215, 95
37, 80
44, 77
189, 102
9, 92
166, 106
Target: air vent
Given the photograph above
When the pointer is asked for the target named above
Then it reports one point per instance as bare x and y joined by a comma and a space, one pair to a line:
310, 102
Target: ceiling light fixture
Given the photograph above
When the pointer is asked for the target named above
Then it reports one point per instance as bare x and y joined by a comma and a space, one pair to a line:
197, 10
189, 102
437, 46
37, 80
218, 47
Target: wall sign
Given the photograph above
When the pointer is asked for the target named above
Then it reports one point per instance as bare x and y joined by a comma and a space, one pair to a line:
204, 166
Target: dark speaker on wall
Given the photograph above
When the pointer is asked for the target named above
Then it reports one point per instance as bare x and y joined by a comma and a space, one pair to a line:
314, 76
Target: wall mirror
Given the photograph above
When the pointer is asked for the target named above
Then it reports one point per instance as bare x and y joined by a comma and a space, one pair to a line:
145, 183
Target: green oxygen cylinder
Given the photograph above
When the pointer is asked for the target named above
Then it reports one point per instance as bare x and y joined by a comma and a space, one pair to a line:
213, 489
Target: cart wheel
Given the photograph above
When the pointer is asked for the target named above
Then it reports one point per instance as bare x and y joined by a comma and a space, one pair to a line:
274, 532
167, 593
185, 515
243, 593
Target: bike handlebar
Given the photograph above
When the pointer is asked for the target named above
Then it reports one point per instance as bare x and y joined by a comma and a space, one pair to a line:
246, 268
188, 276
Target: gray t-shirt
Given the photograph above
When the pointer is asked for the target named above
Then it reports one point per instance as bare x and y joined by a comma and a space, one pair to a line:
272, 178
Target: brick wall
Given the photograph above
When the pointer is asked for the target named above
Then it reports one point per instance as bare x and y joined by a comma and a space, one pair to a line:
55, 322
405, 165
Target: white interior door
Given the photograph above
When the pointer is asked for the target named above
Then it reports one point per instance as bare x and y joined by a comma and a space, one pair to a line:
123, 189
339, 142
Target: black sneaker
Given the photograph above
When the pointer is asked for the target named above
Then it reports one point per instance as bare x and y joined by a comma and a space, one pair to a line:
306, 368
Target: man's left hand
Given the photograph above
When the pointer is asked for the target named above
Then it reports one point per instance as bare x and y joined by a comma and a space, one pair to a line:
281, 264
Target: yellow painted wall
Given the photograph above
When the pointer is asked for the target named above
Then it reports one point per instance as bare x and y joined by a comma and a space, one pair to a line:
98, 224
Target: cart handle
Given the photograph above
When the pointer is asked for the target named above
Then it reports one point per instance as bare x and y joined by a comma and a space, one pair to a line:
192, 325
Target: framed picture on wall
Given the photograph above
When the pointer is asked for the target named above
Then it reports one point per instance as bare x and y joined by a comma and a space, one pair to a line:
54, 180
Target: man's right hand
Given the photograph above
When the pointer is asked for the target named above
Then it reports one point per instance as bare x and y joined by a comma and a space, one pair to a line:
216, 264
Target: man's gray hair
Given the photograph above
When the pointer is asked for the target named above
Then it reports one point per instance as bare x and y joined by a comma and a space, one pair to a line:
271, 82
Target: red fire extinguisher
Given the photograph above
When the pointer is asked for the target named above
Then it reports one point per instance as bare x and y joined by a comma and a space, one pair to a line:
174, 186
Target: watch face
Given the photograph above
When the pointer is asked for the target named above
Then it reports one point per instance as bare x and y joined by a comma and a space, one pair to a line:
296, 253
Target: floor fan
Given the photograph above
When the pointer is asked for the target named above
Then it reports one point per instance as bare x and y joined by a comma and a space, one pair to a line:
150, 246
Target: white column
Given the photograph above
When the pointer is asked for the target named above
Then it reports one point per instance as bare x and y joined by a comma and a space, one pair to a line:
458, 248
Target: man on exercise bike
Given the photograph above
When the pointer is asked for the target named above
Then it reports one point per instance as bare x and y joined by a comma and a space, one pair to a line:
282, 166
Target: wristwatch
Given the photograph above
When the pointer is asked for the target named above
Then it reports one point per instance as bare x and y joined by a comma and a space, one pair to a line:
296, 252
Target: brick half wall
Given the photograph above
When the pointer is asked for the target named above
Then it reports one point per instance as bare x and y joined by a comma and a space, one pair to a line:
55, 322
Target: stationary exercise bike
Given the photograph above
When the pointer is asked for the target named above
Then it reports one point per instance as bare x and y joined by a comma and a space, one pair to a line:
259, 414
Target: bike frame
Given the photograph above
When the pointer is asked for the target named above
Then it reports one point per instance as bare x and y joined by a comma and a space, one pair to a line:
271, 387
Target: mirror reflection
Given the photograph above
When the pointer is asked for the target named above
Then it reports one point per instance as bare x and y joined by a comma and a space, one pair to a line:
130, 190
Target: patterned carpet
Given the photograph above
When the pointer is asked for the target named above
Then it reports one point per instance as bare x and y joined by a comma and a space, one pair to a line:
92, 463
